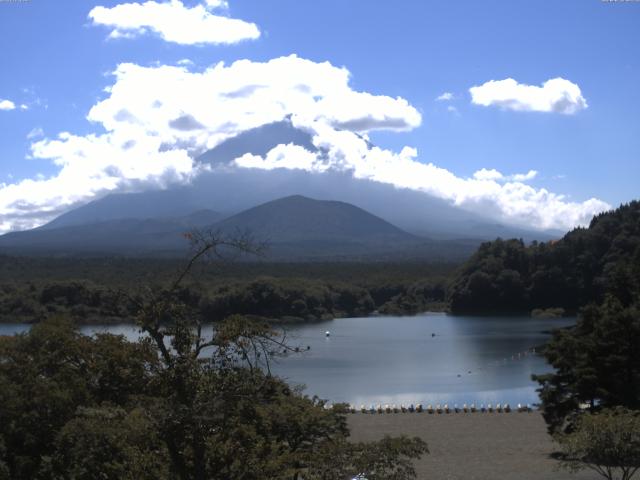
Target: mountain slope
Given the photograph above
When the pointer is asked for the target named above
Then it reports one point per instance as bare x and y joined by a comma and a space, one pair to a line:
300, 227
180, 200
113, 236
230, 189
298, 218
294, 228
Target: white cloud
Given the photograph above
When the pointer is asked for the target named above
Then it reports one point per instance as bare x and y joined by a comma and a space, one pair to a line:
217, 3
556, 95
290, 156
156, 119
7, 105
495, 175
523, 177
175, 22
445, 97
35, 133
488, 192
486, 174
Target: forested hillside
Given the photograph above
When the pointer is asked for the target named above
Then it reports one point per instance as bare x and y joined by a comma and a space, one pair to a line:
508, 276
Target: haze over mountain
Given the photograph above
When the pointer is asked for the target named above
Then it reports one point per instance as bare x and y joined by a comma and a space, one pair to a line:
227, 188
294, 228
122, 235
301, 227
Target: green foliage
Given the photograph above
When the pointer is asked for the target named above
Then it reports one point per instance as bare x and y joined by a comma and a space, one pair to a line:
86, 290
507, 276
596, 363
108, 443
607, 442
386, 459
47, 374
82, 301
80, 407
274, 298
4, 468
179, 404
416, 298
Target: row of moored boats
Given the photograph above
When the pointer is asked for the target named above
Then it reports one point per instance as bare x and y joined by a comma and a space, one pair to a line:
419, 408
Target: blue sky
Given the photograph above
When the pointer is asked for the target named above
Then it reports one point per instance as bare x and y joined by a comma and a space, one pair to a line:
56, 64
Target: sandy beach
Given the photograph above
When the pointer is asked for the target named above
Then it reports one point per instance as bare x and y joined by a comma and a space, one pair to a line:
489, 446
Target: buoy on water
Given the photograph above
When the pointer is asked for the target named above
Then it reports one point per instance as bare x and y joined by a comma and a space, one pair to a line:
327, 334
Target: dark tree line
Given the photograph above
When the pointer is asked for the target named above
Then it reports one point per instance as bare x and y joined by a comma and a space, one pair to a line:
597, 364
268, 297
507, 276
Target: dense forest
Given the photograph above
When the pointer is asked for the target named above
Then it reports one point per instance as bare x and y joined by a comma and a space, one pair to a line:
506, 276
177, 404
107, 290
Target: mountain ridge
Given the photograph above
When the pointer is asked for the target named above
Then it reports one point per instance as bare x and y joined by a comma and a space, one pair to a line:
295, 226
231, 189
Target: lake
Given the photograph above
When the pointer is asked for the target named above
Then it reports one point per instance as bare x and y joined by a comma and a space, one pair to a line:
428, 358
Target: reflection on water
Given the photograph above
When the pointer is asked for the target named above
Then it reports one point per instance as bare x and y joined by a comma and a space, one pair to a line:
399, 360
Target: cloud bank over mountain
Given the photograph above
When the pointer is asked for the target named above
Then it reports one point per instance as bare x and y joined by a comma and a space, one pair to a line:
503, 197
155, 120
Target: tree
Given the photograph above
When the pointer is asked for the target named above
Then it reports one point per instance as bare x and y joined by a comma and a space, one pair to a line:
387, 459
607, 442
597, 363
222, 415
584, 266
108, 442
50, 372
194, 400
